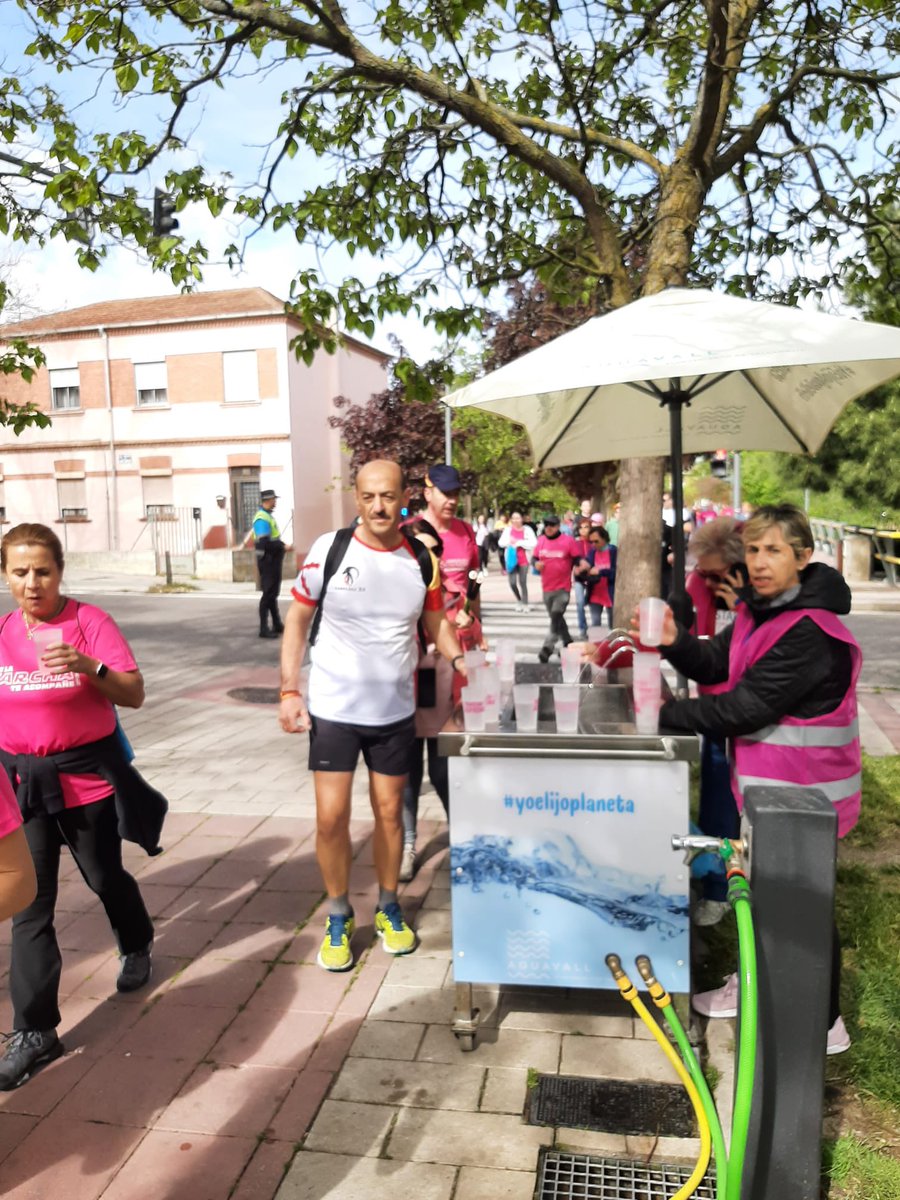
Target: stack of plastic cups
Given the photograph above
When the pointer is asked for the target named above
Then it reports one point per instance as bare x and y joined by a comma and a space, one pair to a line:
506, 663
646, 673
525, 698
596, 635
489, 679
571, 663
565, 701
473, 704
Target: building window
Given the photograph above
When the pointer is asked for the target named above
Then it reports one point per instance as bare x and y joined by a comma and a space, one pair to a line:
150, 384
72, 497
158, 497
241, 376
64, 389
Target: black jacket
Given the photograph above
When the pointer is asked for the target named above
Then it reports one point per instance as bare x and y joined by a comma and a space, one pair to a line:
804, 675
141, 809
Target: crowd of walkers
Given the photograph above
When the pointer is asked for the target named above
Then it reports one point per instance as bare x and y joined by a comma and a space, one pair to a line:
385, 610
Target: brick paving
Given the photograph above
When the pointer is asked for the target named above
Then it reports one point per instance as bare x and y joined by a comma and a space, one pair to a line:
243, 1072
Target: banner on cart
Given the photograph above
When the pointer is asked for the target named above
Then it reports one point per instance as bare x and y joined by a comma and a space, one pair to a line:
556, 863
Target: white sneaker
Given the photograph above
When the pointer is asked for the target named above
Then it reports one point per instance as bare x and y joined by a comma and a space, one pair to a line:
838, 1038
518, 608
720, 1002
710, 912
408, 863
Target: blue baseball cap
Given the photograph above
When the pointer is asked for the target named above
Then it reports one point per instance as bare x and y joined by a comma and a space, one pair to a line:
443, 476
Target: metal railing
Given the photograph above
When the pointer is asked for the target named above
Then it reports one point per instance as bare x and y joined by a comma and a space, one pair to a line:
885, 546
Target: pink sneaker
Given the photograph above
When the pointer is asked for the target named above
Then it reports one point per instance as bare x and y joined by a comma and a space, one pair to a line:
838, 1038
720, 1002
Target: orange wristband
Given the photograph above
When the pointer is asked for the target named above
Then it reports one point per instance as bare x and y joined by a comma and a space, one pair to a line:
289, 692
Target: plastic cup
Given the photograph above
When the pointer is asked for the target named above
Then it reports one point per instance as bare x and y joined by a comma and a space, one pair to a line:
42, 637
473, 709
646, 673
596, 633
651, 612
506, 659
571, 663
489, 678
473, 659
565, 701
525, 698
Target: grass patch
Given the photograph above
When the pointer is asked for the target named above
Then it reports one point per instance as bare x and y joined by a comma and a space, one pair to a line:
859, 1172
880, 814
157, 588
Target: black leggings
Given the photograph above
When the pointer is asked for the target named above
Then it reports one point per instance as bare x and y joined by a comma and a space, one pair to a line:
91, 833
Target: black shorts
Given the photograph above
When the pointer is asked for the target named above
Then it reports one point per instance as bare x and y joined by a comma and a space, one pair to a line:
386, 749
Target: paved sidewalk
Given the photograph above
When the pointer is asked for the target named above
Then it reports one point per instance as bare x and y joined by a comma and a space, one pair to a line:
244, 1072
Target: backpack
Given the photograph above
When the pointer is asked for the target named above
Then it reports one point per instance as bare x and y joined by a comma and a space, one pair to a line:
335, 557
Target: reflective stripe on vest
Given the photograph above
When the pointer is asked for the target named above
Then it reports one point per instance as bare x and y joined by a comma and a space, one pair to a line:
834, 790
805, 735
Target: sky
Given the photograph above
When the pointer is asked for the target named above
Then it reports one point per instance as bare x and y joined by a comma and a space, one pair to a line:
224, 134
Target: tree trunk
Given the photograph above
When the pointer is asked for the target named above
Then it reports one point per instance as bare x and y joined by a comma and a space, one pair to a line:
638, 570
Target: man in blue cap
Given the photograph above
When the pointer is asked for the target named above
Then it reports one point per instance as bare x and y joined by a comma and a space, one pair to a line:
460, 552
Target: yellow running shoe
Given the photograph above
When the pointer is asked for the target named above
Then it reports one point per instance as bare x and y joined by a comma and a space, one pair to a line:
335, 953
396, 936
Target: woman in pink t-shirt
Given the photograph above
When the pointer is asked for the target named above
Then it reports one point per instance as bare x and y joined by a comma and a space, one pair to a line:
63, 667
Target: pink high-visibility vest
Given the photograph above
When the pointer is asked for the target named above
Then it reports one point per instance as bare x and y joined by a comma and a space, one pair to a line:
822, 752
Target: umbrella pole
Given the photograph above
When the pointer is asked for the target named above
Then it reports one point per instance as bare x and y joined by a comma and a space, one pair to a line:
676, 399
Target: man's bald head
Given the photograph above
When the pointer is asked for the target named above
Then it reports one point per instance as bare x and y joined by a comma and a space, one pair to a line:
380, 497
382, 468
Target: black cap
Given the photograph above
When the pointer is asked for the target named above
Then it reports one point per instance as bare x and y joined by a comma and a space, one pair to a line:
551, 519
443, 476
267, 494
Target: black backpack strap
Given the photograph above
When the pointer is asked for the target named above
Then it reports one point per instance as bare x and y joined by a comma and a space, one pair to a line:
423, 558
333, 560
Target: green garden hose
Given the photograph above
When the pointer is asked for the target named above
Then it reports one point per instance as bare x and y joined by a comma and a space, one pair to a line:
739, 896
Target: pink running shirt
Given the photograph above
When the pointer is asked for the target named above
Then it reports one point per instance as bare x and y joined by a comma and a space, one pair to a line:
459, 556
45, 714
559, 555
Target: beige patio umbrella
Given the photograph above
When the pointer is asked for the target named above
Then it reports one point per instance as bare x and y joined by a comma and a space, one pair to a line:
686, 371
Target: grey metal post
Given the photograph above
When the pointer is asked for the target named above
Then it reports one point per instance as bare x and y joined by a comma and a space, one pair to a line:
793, 851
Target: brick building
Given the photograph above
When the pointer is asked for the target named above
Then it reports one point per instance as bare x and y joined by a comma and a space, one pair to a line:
179, 409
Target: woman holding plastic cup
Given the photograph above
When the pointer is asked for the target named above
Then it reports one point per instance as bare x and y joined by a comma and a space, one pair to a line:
789, 708
61, 752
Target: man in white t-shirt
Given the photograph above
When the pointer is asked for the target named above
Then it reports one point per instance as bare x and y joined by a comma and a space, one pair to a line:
361, 694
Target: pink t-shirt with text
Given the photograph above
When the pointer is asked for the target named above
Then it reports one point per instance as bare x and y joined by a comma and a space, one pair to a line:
559, 555
46, 714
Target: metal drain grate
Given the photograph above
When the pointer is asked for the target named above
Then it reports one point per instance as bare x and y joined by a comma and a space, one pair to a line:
612, 1106
254, 695
564, 1176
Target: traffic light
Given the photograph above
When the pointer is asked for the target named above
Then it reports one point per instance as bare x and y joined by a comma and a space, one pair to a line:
718, 464
164, 220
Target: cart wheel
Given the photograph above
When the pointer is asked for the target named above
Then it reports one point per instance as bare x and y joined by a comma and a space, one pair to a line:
466, 1041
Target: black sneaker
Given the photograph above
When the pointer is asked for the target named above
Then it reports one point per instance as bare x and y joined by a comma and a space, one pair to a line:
135, 971
27, 1050
268, 633
544, 654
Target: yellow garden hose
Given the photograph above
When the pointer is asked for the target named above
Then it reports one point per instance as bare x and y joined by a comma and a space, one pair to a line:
629, 993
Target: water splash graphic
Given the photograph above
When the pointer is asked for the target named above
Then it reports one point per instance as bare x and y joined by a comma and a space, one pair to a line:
623, 899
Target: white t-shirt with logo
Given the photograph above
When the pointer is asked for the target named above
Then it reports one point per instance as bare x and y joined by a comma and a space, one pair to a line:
364, 659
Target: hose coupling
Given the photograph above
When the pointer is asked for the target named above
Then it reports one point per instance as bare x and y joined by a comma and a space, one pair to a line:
658, 993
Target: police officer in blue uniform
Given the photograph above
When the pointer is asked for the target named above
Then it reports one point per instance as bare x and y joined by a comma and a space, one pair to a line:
269, 557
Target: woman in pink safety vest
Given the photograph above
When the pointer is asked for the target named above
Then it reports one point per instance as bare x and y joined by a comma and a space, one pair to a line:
789, 709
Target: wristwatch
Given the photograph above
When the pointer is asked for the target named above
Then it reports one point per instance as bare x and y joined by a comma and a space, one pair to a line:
102, 670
